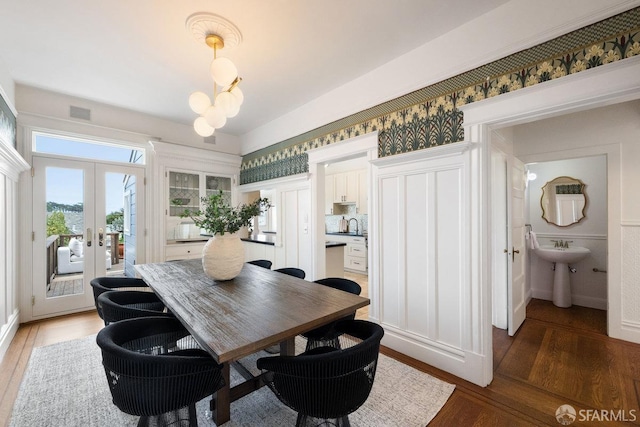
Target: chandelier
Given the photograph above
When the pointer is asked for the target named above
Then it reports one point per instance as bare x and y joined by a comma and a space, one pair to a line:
217, 33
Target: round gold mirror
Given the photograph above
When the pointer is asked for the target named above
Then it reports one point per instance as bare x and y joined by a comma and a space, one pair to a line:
563, 201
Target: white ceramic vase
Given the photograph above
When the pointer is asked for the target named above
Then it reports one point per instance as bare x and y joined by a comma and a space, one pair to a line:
223, 256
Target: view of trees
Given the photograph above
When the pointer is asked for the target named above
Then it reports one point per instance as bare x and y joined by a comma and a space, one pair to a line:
61, 207
57, 221
56, 224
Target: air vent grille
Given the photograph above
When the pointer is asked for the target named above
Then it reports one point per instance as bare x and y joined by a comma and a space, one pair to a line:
79, 113
210, 139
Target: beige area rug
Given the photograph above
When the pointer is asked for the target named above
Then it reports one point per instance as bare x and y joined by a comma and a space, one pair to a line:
65, 385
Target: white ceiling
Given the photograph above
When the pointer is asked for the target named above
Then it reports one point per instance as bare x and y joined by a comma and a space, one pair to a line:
139, 54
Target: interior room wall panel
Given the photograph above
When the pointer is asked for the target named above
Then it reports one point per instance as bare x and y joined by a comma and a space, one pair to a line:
420, 268
424, 289
448, 254
391, 251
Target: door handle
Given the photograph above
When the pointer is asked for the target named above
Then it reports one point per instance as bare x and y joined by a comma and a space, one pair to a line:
89, 237
514, 251
100, 237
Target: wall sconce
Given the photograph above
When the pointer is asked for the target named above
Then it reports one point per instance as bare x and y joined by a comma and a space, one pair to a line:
217, 33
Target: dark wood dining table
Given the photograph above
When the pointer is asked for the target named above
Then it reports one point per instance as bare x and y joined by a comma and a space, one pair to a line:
235, 318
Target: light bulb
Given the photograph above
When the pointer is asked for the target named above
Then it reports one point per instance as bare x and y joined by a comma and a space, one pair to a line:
199, 102
215, 117
202, 127
223, 71
228, 103
238, 94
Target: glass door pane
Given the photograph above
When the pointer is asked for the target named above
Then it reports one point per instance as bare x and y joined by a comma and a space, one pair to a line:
63, 249
65, 246
184, 192
121, 210
215, 184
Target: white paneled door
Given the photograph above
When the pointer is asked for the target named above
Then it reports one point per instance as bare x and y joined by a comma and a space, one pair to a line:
83, 212
516, 293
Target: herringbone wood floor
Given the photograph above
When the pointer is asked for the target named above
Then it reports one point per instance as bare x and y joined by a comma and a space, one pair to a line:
559, 356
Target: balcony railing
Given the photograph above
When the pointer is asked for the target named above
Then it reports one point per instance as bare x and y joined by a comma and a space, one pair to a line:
55, 241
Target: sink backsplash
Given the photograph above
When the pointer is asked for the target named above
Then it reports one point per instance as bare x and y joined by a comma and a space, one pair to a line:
332, 222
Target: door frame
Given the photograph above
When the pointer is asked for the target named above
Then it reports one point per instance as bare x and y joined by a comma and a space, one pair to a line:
606, 85
358, 146
94, 201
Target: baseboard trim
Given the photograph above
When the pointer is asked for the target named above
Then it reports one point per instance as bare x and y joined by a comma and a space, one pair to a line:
579, 300
463, 364
7, 332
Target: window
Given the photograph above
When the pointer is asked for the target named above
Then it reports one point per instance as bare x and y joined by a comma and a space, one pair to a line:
75, 147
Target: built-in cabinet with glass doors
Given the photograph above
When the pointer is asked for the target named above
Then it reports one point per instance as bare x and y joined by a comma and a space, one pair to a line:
185, 191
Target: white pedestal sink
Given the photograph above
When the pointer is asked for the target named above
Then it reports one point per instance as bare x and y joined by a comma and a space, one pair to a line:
561, 281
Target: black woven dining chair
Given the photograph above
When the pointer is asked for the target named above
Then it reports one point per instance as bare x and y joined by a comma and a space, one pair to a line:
327, 335
120, 305
110, 283
327, 383
147, 378
264, 263
292, 271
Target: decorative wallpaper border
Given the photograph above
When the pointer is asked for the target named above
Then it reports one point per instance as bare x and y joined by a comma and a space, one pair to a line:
429, 117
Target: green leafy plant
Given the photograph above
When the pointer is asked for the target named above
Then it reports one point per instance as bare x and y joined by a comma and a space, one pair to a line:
217, 216
56, 224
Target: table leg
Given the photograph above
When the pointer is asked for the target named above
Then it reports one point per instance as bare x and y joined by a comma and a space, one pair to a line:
288, 347
221, 400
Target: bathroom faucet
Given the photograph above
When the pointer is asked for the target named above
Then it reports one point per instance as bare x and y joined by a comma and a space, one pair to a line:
356, 223
563, 244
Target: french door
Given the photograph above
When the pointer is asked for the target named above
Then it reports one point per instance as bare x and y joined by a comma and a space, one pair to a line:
86, 223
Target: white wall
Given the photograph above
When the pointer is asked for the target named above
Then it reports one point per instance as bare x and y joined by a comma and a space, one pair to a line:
50, 109
510, 28
11, 164
588, 288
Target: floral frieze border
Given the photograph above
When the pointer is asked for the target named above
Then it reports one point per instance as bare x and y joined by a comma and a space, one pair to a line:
438, 121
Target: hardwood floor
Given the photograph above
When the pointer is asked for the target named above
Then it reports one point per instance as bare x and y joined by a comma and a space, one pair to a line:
559, 356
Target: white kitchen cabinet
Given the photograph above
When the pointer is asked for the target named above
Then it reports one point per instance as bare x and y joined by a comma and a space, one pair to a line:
355, 254
345, 187
177, 251
253, 251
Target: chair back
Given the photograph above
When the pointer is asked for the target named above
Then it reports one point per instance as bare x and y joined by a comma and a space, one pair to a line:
292, 271
120, 305
264, 263
342, 284
153, 366
108, 283
326, 382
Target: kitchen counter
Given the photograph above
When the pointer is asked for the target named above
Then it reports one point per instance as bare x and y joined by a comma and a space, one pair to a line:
265, 239
332, 244
270, 239
353, 233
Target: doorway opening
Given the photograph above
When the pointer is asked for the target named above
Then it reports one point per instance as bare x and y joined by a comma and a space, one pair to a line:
87, 221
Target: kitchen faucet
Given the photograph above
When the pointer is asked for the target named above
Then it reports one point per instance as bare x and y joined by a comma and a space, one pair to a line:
356, 223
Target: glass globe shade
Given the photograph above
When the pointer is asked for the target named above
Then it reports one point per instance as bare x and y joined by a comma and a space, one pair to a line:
238, 94
202, 127
228, 103
215, 117
223, 71
199, 102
